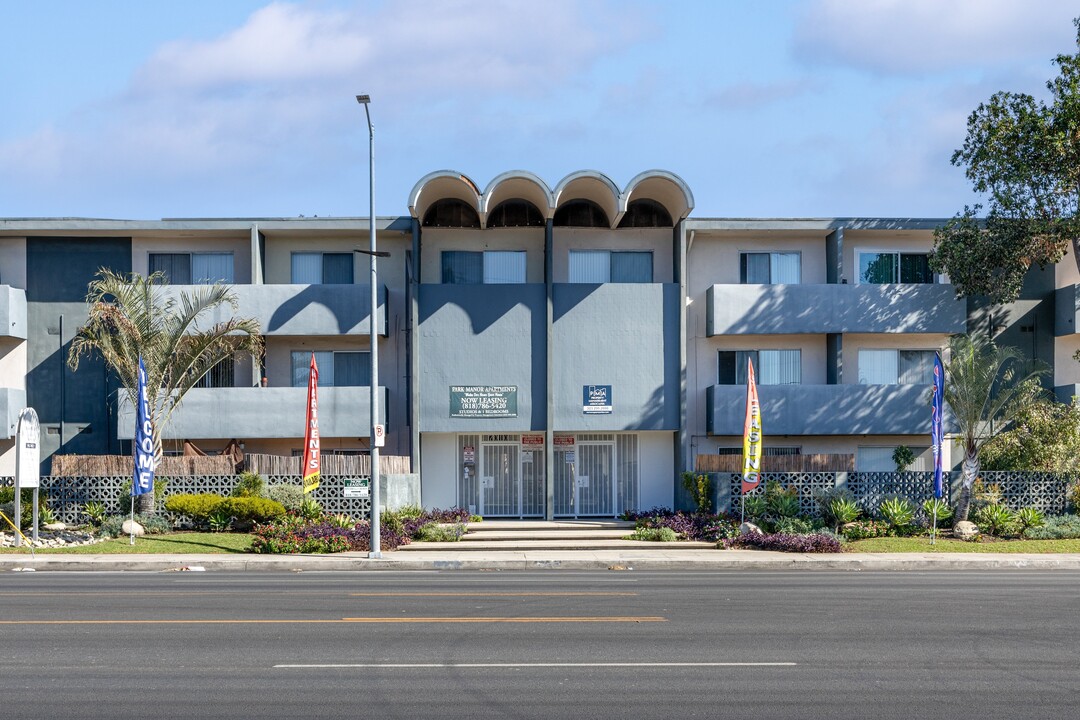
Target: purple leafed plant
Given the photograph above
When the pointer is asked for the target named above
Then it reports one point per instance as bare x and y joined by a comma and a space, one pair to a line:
783, 542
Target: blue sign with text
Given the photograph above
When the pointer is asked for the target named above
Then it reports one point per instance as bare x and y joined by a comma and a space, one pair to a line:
596, 399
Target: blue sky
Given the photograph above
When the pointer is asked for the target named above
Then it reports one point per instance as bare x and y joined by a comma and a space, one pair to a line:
811, 108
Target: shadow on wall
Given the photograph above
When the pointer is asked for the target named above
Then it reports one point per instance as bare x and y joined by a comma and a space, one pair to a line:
347, 314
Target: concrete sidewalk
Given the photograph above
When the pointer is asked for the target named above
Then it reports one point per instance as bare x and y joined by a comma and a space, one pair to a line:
615, 560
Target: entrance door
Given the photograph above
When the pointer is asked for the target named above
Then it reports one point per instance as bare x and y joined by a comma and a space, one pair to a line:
499, 486
532, 479
595, 478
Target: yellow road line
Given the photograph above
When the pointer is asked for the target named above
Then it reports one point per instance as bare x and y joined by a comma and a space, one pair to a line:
568, 619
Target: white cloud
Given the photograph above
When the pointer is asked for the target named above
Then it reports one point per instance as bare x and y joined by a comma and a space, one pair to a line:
753, 96
918, 36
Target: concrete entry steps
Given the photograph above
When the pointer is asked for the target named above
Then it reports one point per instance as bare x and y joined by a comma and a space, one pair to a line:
517, 535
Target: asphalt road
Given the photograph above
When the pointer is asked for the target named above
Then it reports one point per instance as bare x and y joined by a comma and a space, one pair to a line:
543, 644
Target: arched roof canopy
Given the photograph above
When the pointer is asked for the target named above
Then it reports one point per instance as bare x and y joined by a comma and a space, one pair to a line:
517, 184
589, 185
665, 188
442, 185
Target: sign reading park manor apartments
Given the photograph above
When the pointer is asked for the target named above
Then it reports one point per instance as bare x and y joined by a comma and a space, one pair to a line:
483, 401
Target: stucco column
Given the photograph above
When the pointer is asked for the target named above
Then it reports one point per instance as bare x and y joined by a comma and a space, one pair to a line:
549, 401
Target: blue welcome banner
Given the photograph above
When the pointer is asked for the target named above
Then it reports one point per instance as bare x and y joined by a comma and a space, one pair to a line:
144, 439
936, 434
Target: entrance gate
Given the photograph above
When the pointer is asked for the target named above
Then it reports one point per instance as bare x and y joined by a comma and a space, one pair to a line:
501, 475
595, 474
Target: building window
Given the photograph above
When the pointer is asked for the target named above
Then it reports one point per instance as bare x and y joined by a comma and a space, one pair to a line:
770, 268
515, 213
894, 267
879, 459
581, 213
193, 268
320, 268
219, 376
603, 266
451, 213
771, 367
645, 214
337, 368
891, 367
489, 267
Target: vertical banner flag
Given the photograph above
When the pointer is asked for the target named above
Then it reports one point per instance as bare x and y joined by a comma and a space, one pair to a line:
936, 434
751, 473
311, 433
144, 439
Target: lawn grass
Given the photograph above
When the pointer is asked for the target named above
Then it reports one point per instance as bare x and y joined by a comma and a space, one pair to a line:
190, 543
949, 545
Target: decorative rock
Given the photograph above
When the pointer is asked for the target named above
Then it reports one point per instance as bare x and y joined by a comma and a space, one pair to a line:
54, 527
748, 527
132, 528
965, 529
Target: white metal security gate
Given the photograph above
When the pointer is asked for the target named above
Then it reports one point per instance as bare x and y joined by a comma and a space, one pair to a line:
595, 474
499, 478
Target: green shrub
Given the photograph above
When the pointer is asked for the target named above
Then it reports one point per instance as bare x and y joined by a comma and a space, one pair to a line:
1074, 496
781, 501
938, 506
793, 526
219, 521
310, 509
1058, 527
654, 534
153, 524
124, 499
1030, 517
95, 512
841, 511
865, 529
437, 532
249, 484
700, 488
755, 506
290, 496
898, 512
996, 520
26, 508
197, 507
248, 510
395, 519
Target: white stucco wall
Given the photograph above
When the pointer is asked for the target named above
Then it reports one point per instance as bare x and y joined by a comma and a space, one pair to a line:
438, 481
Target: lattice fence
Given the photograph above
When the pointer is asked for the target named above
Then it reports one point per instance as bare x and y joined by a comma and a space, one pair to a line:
66, 497
1045, 491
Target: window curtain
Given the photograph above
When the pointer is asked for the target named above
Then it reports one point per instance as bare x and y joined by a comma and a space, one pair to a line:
461, 267
301, 361
590, 266
306, 269
504, 267
916, 367
631, 267
915, 268
176, 266
337, 268
210, 268
875, 459
877, 268
784, 268
780, 367
755, 268
878, 367
351, 369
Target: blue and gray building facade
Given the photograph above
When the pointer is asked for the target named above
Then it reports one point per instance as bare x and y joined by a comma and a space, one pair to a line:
544, 350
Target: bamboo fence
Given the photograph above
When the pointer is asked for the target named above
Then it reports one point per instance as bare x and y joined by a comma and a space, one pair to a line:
777, 463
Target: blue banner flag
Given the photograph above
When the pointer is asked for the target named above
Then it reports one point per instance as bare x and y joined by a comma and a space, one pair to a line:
936, 434
144, 440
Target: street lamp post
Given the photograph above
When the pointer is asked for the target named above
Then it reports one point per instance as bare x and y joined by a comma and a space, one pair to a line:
376, 544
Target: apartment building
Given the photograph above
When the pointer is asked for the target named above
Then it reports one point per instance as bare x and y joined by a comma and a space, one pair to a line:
545, 350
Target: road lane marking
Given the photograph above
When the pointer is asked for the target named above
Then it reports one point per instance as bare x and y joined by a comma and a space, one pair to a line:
361, 620
493, 594
540, 665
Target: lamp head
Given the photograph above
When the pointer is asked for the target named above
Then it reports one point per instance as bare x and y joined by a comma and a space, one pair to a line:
363, 99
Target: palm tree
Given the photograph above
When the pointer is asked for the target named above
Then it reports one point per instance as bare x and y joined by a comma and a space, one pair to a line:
985, 384
131, 315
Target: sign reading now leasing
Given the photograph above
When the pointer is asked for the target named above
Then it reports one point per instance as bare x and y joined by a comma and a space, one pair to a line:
483, 401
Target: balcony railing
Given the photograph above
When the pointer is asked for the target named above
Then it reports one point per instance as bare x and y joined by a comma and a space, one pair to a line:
274, 412
797, 309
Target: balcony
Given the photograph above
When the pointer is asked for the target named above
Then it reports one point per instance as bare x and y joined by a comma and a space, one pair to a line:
812, 309
12, 312
275, 412
284, 310
12, 401
824, 410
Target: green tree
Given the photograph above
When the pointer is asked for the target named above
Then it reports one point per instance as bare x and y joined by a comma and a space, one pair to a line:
132, 315
1023, 154
1044, 437
985, 385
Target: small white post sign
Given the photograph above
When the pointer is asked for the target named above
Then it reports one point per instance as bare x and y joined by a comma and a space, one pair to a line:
27, 466
357, 488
